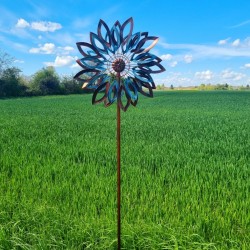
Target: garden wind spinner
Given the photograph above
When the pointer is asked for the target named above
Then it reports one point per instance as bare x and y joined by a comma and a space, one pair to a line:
117, 64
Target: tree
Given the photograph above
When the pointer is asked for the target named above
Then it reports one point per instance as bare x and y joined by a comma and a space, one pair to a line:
70, 86
10, 83
46, 82
202, 86
5, 61
171, 86
222, 86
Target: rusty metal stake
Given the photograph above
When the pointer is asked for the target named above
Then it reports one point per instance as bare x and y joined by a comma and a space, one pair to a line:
118, 171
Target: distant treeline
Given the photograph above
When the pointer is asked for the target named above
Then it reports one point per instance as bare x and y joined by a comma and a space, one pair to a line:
203, 86
44, 82
221, 86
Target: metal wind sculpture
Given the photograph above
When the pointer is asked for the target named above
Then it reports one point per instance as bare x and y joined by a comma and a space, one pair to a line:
117, 64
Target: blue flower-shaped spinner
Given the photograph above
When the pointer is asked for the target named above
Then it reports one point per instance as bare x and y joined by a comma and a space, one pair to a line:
116, 63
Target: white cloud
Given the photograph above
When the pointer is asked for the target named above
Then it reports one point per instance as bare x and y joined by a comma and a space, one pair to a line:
68, 48
204, 75
50, 48
35, 50
75, 66
247, 65
63, 38
188, 58
46, 26
223, 42
166, 57
247, 42
21, 23
207, 76
173, 64
47, 48
61, 61
241, 24
18, 61
206, 51
65, 50
236, 43
43, 26
232, 75
176, 79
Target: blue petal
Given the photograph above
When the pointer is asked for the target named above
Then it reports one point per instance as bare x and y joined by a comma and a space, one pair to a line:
85, 73
139, 48
92, 63
120, 94
146, 67
106, 38
128, 24
93, 84
131, 89
132, 42
93, 39
115, 37
98, 90
145, 58
93, 51
143, 76
113, 92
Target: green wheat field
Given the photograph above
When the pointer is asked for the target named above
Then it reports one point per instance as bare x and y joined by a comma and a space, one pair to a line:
185, 163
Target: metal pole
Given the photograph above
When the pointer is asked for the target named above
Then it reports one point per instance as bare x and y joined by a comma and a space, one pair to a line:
118, 171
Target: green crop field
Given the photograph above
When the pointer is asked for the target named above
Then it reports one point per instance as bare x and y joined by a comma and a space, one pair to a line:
185, 172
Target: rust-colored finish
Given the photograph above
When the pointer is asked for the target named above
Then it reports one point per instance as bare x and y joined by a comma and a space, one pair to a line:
118, 170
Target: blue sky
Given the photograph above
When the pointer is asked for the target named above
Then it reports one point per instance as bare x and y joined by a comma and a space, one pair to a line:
201, 41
